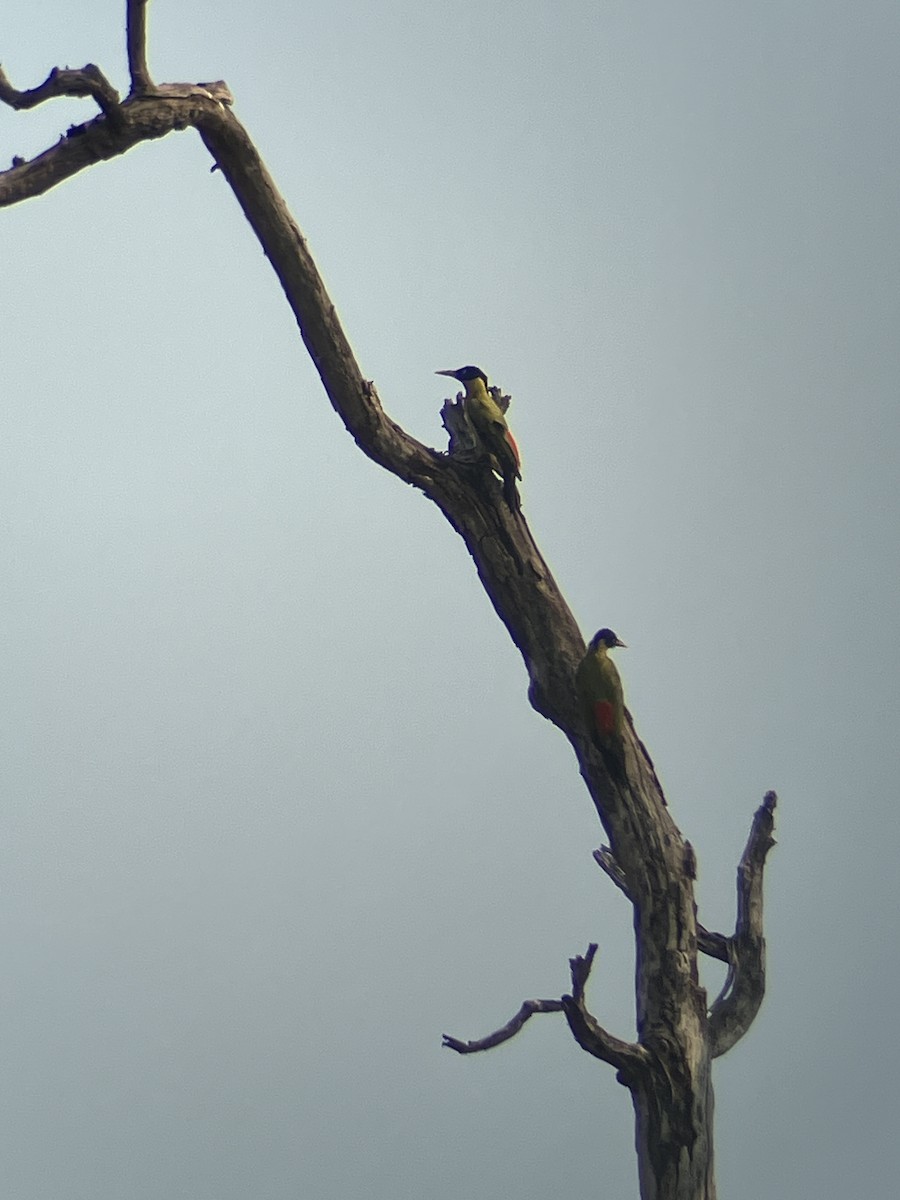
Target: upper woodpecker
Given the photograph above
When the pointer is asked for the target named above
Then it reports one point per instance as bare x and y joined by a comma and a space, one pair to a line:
489, 423
599, 689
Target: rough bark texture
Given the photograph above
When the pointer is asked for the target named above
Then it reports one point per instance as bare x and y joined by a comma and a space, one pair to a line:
668, 1069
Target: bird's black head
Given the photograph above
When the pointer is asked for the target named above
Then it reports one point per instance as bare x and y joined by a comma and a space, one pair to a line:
605, 637
465, 374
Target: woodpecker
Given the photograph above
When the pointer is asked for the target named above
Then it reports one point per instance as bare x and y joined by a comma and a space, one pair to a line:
489, 423
599, 689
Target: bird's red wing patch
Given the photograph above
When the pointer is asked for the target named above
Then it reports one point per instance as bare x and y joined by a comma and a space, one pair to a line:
515, 448
604, 717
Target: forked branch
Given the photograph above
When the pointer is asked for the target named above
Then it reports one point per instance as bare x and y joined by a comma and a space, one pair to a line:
591, 1036
627, 1057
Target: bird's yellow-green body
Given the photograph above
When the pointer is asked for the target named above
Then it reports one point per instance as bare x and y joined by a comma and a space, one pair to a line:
486, 418
600, 693
490, 424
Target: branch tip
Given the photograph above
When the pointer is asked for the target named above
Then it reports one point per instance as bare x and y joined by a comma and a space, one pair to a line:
580, 967
606, 861
736, 1007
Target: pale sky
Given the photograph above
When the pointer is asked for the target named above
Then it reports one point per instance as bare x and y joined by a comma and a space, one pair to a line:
276, 811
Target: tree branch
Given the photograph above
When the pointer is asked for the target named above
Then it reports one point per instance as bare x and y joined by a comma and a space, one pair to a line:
175, 106
512, 570
734, 1010
714, 945
136, 26
89, 81
628, 1058
505, 1032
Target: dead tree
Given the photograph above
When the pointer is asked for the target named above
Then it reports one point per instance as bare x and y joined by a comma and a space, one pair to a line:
667, 1070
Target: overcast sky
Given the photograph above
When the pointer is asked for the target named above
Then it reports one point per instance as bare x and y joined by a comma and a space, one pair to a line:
276, 812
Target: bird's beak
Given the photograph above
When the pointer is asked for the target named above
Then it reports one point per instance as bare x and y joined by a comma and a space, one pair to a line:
452, 374
619, 642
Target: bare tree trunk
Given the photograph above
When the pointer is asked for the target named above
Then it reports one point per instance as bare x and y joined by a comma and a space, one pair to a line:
668, 1068
674, 1140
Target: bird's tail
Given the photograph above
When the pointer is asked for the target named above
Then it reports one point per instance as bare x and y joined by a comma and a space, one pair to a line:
511, 492
613, 752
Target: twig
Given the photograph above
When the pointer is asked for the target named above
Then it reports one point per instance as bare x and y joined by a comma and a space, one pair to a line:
505, 1032
89, 81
